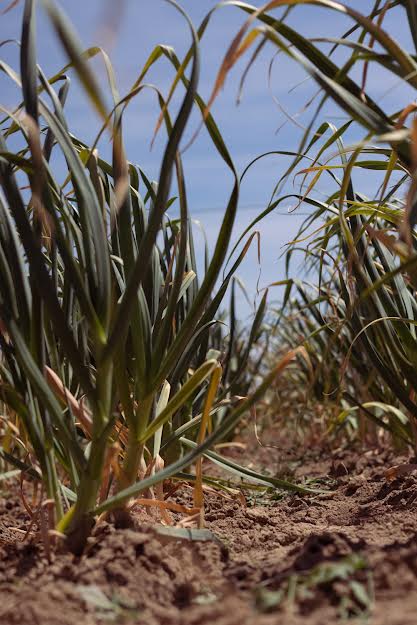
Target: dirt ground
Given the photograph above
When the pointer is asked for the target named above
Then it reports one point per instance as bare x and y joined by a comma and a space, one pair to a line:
346, 555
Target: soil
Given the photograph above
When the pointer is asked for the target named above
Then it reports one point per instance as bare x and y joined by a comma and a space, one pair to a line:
348, 554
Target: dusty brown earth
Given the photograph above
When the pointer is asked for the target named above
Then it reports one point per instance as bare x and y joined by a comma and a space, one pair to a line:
346, 555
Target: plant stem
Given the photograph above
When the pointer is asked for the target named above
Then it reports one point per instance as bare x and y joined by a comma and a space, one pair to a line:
132, 461
133, 457
81, 522
53, 488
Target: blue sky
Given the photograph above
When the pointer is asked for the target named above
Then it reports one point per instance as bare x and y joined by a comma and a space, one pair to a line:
248, 129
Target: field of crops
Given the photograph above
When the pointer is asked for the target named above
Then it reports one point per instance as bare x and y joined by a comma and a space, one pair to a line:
166, 456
